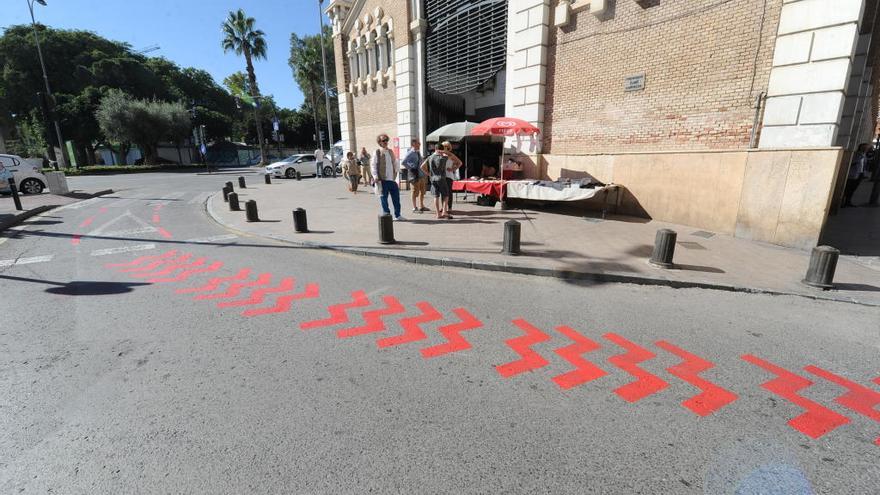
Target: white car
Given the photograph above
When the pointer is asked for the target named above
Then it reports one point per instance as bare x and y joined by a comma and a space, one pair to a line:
304, 164
28, 178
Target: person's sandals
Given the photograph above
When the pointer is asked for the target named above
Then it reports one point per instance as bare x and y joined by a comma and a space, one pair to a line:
416, 210
425, 209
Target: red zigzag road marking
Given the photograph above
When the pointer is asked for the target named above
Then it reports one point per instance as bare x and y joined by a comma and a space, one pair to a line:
215, 283
453, 335
817, 420
531, 360
157, 264
713, 397
585, 370
284, 303
412, 330
338, 312
235, 289
259, 295
860, 399
138, 261
186, 274
373, 319
172, 268
646, 383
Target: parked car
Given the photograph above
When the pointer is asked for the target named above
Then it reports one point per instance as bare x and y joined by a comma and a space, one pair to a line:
28, 178
306, 165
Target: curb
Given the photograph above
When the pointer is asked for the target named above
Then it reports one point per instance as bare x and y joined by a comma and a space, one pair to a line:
508, 267
21, 217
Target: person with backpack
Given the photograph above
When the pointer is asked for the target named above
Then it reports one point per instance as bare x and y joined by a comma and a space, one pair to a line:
417, 179
436, 167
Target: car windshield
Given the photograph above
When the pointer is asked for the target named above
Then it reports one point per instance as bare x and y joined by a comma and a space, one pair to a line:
291, 158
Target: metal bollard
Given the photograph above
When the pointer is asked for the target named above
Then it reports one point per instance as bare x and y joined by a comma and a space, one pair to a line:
267, 178
512, 231
226, 192
233, 202
14, 191
250, 211
823, 263
386, 229
298, 175
241, 182
229, 185
664, 248
300, 223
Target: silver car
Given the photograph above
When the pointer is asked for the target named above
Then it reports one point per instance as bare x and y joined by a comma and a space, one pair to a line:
28, 178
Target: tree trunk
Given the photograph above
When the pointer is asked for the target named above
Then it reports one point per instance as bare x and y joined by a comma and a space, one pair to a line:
255, 93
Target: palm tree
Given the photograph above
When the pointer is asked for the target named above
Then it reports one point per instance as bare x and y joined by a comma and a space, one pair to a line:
239, 36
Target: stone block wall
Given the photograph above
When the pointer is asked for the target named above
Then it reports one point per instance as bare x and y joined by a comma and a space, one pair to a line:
704, 64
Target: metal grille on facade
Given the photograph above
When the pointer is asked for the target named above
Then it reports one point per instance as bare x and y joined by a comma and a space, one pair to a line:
466, 43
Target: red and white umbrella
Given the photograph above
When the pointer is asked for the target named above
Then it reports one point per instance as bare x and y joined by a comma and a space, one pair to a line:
505, 126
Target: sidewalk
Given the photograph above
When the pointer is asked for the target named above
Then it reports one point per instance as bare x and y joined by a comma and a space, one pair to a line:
34, 204
555, 242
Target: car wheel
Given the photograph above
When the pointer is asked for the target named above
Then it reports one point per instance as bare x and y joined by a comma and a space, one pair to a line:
32, 186
290, 173
328, 171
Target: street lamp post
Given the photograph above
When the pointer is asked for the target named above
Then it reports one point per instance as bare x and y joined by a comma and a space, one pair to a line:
326, 88
46, 79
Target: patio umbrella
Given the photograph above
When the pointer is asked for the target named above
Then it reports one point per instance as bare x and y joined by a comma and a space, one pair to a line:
505, 126
452, 132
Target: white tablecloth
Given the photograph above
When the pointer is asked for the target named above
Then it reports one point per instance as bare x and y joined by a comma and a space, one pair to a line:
551, 191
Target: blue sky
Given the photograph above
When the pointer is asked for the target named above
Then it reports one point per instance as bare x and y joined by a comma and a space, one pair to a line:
188, 31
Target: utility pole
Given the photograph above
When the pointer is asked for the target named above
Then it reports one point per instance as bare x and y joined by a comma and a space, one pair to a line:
326, 88
46, 80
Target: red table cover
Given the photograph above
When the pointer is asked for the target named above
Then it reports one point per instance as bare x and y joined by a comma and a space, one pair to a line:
488, 187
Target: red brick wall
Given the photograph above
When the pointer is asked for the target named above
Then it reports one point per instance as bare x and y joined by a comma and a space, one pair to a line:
704, 66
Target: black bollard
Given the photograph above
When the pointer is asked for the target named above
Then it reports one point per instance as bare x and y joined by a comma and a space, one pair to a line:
233, 202
250, 211
241, 183
298, 175
226, 191
267, 178
664, 248
512, 231
300, 223
14, 191
386, 229
229, 185
823, 263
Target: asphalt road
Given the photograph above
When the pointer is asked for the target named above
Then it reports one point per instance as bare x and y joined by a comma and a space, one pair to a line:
327, 373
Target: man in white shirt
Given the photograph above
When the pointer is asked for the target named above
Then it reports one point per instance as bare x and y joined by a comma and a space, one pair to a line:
319, 163
384, 168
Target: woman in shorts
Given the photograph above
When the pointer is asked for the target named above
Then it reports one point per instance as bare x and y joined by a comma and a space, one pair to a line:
352, 171
435, 167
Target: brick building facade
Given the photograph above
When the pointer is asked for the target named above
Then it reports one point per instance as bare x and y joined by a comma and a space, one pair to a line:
730, 115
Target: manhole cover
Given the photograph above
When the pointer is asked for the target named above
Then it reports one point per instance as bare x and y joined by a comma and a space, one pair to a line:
691, 245
703, 234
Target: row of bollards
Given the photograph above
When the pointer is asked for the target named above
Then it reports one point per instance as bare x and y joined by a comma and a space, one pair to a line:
820, 273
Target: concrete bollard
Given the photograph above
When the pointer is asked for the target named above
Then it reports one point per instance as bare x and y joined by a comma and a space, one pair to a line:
298, 175
241, 182
267, 178
512, 230
823, 263
300, 223
226, 191
250, 211
664, 248
229, 185
233, 202
386, 229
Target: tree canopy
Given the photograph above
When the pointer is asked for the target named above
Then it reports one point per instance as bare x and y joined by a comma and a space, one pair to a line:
308, 72
126, 120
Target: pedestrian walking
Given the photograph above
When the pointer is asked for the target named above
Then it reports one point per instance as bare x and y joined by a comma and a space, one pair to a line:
319, 163
366, 171
352, 171
436, 168
385, 167
858, 169
417, 179
451, 172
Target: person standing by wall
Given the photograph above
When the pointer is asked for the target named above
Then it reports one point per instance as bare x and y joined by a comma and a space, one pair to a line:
366, 171
453, 165
352, 171
858, 169
417, 179
384, 168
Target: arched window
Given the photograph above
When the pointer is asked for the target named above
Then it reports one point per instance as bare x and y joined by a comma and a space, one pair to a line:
389, 49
